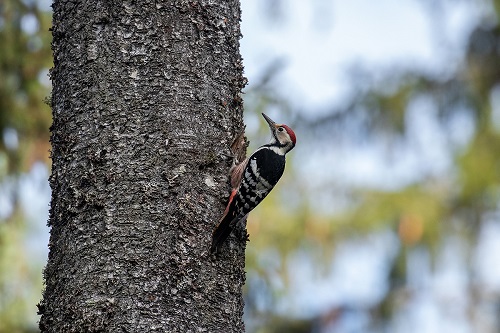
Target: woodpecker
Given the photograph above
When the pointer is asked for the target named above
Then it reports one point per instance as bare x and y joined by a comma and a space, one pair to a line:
254, 178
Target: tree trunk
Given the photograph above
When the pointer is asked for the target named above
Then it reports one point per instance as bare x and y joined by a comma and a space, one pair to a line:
146, 103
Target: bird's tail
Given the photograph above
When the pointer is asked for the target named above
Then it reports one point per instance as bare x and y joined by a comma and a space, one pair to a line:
222, 232
226, 224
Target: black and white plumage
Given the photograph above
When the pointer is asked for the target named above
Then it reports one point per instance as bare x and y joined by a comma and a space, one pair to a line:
254, 178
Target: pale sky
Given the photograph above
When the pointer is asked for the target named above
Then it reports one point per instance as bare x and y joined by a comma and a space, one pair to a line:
319, 39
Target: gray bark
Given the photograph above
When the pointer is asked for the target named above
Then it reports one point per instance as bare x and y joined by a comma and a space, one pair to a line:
146, 103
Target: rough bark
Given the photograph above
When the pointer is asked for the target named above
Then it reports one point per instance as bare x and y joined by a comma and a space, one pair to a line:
146, 103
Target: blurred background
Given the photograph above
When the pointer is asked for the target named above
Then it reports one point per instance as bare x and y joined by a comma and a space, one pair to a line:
388, 218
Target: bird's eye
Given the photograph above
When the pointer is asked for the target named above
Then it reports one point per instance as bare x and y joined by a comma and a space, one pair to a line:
280, 129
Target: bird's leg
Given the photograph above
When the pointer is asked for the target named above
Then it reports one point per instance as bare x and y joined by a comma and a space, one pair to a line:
238, 151
239, 148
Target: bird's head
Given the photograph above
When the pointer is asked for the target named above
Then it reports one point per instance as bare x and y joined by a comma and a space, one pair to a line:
283, 136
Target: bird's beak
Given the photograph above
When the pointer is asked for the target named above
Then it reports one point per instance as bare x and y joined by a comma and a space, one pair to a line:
271, 123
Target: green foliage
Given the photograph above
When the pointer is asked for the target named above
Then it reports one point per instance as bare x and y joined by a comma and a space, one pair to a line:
25, 58
480, 171
20, 280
